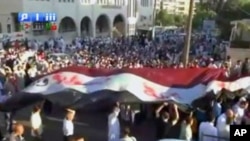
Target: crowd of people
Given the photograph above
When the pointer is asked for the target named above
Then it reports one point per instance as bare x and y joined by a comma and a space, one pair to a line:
27, 59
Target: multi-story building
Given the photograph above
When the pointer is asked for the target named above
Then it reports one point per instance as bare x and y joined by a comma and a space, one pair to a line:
174, 6
88, 17
74, 17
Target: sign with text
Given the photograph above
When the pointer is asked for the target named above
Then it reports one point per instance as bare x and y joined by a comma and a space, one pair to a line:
37, 17
239, 132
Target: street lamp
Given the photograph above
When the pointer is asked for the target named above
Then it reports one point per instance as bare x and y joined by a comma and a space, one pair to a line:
188, 34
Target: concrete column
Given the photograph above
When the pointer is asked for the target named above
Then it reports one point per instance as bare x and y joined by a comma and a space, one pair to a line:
93, 29
78, 29
111, 29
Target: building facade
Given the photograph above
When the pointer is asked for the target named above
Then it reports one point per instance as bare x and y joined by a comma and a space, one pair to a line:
74, 17
175, 6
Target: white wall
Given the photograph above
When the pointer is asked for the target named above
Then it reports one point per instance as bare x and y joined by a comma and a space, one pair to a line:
75, 10
6, 8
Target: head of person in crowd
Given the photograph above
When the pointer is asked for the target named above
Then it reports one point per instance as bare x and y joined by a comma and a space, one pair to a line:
126, 132
116, 111
128, 107
243, 103
247, 60
70, 114
18, 129
76, 138
117, 103
36, 109
165, 116
230, 116
238, 62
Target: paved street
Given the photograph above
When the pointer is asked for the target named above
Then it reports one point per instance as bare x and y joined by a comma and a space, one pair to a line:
93, 127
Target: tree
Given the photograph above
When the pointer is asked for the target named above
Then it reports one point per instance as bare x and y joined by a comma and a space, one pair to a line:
201, 15
163, 18
232, 10
180, 20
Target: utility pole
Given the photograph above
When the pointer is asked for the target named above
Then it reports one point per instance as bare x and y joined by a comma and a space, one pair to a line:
188, 34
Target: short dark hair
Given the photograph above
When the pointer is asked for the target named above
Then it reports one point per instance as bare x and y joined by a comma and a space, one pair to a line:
126, 131
211, 117
75, 138
36, 108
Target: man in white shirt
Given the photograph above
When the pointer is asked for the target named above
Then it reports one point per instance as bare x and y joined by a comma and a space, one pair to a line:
114, 125
36, 123
223, 123
68, 125
207, 130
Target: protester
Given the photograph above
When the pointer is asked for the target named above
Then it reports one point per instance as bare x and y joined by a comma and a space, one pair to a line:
174, 130
217, 107
162, 118
68, 125
239, 110
76, 138
36, 124
223, 123
114, 125
126, 115
17, 134
186, 130
126, 135
207, 130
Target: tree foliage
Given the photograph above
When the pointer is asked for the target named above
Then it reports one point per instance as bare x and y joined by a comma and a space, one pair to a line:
165, 19
231, 11
202, 13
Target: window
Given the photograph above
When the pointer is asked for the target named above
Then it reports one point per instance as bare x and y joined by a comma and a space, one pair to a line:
181, 3
181, 8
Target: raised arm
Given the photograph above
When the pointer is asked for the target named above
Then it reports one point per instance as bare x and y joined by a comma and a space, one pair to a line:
158, 110
175, 113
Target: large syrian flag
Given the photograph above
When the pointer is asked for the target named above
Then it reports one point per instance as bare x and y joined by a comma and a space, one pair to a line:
78, 86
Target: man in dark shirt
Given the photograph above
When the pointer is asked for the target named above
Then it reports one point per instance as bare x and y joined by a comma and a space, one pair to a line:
162, 118
172, 130
162, 125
